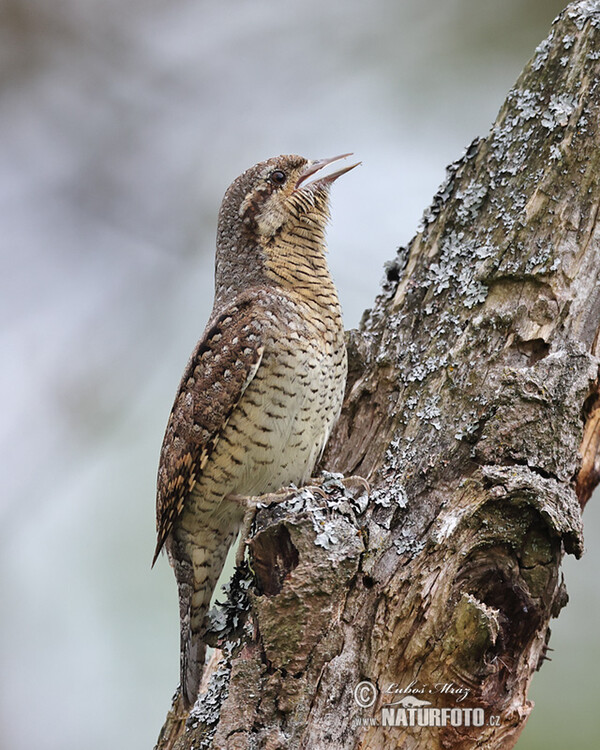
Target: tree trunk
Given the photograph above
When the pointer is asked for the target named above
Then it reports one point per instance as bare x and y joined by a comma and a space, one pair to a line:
473, 409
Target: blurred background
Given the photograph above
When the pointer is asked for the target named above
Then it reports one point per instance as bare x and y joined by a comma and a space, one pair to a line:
122, 122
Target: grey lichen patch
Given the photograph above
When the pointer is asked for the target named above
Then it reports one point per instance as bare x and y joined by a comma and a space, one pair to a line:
451, 259
431, 412
408, 543
449, 325
401, 453
327, 536
342, 490
419, 366
393, 496
518, 136
333, 516
428, 366
456, 269
229, 615
583, 11
560, 108
541, 52
207, 711
510, 148
475, 293
555, 152
470, 199
468, 426
527, 103
333, 534
542, 261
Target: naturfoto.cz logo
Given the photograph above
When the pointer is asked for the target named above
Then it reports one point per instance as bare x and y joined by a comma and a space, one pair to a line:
412, 711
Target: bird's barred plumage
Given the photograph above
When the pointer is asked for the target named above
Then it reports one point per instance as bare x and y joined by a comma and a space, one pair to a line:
262, 390
217, 374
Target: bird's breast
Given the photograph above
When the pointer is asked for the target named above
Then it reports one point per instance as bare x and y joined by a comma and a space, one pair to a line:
280, 427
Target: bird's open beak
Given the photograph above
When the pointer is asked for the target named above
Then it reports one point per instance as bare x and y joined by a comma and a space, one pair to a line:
326, 180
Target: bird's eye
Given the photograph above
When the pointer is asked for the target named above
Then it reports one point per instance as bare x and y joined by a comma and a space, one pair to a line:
277, 177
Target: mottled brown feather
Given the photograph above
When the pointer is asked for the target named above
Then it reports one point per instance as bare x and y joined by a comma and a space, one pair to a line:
224, 362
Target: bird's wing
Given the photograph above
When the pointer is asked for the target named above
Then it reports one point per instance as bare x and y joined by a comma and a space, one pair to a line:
224, 362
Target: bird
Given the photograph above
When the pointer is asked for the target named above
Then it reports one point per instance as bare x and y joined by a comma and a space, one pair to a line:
263, 388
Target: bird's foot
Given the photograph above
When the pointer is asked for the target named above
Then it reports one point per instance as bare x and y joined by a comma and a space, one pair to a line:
253, 502
328, 482
249, 514
355, 482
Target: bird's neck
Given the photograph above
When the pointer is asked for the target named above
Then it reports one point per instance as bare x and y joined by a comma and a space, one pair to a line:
295, 261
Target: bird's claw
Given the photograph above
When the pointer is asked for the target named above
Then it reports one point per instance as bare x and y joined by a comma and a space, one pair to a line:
356, 481
350, 483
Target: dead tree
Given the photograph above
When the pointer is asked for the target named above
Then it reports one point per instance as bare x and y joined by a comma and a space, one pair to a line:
473, 410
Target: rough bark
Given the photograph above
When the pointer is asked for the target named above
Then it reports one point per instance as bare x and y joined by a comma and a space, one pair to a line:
473, 410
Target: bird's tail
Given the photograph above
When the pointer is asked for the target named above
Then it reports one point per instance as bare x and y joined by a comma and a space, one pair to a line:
192, 646
196, 582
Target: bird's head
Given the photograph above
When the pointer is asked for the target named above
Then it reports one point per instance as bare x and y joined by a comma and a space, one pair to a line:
270, 204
